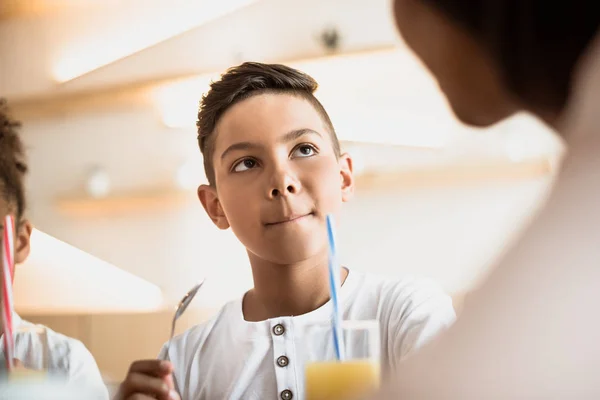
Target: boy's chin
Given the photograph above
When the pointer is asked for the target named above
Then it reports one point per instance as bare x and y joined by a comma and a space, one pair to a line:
294, 253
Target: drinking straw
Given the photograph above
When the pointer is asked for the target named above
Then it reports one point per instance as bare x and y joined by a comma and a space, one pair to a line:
334, 285
7, 298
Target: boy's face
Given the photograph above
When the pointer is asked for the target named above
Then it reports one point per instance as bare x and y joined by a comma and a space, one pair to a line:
277, 177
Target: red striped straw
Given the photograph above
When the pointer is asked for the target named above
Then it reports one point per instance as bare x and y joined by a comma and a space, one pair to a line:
7, 297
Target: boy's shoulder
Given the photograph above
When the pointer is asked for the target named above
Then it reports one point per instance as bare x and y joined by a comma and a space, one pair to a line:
408, 286
411, 310
395, 294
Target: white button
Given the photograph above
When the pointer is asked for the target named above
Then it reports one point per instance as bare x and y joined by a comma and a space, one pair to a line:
283, 361
278, 330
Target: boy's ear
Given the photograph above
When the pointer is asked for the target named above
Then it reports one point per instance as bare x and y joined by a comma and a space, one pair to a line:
23, 241
210, 201
347, 177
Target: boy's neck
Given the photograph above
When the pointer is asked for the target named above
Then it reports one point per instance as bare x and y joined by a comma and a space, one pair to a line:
287, 290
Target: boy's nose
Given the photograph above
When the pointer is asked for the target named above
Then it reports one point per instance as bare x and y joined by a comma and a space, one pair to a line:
283, 185
289, 189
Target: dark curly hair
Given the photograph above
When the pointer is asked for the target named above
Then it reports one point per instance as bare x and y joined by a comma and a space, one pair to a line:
12, 161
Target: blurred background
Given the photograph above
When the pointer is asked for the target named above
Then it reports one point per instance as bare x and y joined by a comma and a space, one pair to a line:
108, 90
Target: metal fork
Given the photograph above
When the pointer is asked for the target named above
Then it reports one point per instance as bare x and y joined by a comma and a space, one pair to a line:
181, 307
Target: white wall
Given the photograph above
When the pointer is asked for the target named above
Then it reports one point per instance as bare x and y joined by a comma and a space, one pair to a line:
452, 234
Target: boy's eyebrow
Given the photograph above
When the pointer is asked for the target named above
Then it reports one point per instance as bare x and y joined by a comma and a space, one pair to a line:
296, 133
288, 137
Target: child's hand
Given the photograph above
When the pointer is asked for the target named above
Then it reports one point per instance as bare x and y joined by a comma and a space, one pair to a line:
148, 379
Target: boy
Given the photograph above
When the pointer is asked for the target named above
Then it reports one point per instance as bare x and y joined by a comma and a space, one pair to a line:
65, 356
275, 170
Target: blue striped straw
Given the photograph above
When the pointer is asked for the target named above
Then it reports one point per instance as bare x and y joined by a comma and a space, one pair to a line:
334, 284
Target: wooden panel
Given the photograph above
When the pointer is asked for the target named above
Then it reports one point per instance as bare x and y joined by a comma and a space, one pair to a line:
457, 174
72, 326
116, 340
123, 203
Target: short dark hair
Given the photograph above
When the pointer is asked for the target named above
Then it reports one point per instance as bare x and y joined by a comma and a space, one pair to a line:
536, 43
13, 166
244, 81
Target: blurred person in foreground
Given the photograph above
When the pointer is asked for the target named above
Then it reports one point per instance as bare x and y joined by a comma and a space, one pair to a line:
67, 359
532, 329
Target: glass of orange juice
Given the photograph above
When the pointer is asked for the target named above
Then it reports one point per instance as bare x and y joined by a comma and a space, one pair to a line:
357, 374
31, 353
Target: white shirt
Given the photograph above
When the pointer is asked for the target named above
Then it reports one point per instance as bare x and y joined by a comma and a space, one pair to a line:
532, 331
230, 358
66, 357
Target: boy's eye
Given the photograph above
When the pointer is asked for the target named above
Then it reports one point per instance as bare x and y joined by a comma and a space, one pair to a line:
244, 165
304, 150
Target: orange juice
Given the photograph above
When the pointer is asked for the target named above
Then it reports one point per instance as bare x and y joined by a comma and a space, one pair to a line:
20, 373
333, 380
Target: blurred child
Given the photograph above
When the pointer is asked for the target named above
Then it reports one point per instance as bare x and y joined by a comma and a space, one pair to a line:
66, 357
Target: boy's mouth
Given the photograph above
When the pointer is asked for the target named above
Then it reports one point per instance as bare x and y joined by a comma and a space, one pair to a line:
289, 219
